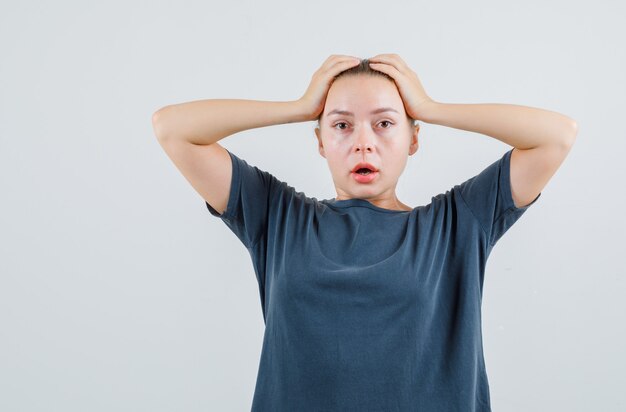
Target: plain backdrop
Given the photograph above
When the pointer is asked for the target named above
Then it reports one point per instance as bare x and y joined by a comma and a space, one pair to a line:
120, 292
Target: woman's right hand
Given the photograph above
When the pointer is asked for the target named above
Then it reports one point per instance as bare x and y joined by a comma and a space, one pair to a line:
314, 99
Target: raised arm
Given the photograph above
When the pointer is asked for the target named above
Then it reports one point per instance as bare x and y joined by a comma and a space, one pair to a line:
204, 122
189, 132
541, 138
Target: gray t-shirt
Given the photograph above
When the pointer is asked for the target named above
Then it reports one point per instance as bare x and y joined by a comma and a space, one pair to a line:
369, 309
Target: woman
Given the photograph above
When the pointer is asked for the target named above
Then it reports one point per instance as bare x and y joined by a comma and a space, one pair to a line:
368, 303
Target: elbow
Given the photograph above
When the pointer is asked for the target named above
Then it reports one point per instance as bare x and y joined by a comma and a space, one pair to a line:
567, 136
573, 132
158, 120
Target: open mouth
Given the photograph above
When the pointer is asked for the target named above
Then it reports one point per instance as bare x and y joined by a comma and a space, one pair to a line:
364, 174
364, 168
363, 171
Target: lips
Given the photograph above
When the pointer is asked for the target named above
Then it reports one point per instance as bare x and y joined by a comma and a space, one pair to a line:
364, 165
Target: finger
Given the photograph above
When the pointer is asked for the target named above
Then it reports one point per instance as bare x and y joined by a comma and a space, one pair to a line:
336, 62
344, 63
386, 68
392, 56
392, 59
386, 60
335, 58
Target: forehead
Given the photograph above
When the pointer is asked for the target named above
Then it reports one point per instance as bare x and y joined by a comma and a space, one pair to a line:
363, 95
375, 111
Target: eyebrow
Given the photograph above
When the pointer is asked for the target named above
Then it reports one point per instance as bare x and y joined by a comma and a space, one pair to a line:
347, 113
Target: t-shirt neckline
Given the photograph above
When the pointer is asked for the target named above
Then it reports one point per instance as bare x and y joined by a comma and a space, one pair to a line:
363, 203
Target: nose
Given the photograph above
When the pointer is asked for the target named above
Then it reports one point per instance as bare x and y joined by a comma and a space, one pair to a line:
363, 142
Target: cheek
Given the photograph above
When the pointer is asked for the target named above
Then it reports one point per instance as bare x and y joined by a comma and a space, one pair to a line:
337, 141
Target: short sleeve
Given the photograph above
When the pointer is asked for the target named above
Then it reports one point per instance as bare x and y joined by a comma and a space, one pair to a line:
488, 195
246, 213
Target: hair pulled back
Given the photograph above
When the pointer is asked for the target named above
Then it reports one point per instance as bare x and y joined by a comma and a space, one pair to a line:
364, 69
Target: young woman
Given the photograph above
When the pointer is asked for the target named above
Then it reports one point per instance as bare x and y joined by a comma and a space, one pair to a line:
369, 304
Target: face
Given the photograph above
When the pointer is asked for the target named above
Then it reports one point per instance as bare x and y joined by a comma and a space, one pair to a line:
385, 139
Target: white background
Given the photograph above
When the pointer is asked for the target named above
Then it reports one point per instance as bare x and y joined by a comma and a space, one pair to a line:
120, 292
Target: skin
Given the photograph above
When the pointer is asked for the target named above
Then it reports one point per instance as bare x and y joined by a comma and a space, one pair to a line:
385, 140
541, 138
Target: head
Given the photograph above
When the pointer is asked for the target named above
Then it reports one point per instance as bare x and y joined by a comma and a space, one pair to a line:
384, 139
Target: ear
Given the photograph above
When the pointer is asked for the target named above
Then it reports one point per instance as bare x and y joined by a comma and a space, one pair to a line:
320, 145
414, 145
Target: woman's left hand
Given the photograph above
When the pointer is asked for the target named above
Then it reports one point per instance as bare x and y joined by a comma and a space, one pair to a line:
411, 91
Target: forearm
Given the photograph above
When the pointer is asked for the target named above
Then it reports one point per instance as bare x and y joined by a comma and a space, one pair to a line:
522, 127
205, 122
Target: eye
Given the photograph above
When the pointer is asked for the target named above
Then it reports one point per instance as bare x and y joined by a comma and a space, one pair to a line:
338, 123
384, 121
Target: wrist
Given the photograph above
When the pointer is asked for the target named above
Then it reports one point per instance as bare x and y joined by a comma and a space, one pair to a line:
428, 111
300, 112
